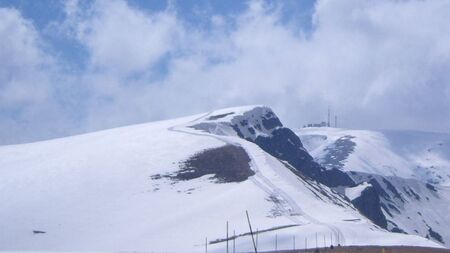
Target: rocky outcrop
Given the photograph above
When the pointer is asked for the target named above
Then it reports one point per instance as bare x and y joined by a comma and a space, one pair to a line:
225, 164
368, 204
263, 127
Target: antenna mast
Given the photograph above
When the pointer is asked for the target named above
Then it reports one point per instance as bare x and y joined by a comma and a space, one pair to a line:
328, 123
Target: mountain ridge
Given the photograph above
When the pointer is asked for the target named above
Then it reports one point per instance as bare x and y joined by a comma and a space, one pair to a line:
408, 172
100, 191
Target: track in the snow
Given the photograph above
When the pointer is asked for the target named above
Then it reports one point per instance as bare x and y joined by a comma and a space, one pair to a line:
261, 181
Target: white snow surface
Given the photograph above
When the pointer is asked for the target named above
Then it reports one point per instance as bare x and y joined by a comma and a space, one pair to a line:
408, 154
409, 159
355, 192
94, 192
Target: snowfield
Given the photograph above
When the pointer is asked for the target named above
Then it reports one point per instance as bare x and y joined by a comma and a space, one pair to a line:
412, 170
355, 192
407, 154
101, 192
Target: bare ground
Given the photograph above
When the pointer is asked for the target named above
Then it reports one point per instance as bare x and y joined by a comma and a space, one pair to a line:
370, 249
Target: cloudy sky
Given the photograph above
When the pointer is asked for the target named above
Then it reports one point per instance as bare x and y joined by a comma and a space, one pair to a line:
75, 66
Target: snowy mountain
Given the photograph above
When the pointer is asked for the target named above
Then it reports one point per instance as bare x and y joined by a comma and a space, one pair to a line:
403, 176
166, 186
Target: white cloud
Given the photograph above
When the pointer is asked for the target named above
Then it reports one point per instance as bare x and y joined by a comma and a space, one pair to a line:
380, 64
389, 57
122, 39
30, 97
21, 61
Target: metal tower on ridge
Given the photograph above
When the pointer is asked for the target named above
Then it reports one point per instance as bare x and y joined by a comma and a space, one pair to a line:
328, 123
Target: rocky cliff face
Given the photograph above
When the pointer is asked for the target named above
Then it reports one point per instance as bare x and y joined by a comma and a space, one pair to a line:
368, 203
407, 172
264, 128
407, 205
164, 180
393, 203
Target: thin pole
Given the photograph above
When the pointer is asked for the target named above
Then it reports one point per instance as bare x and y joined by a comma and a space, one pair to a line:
257, 233
234, 241
317, 246
294, 241
206, 245
338, 242
331, 237
328, 123
276, 243
251, 232
306, 243
324, 241
227, 236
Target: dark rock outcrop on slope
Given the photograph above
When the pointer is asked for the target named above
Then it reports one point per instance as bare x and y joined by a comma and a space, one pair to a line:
225, 164
336, 154
399, 198
284, 144
368, 204
435, 235
386, 202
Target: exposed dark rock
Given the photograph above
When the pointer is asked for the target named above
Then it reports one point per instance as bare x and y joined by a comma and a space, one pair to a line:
214, 117
410, 192
386, 209
398, 230
317, 187
435, 235
262, 127
369, 205
226, 164
285, 145
237, 130
379, 189
431, 187
156, 177
271, 121
392, 207
392, 189
339, 152
267, 131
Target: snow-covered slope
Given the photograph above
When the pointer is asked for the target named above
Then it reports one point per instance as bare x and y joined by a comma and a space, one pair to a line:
408, 154
408, 173
166, 186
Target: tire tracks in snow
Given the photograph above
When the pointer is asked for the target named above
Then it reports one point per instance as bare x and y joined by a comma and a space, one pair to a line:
261, 181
